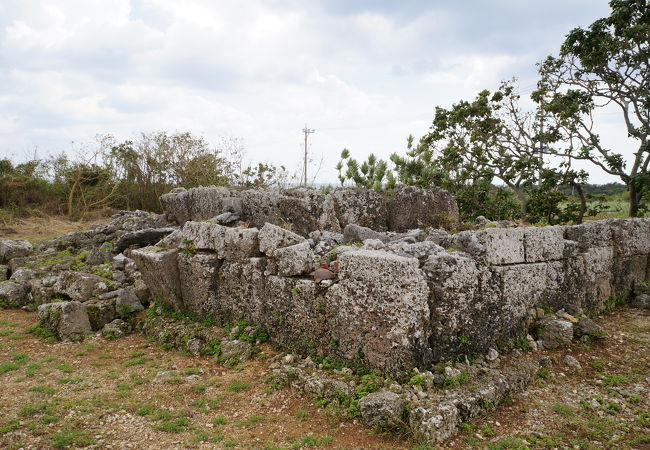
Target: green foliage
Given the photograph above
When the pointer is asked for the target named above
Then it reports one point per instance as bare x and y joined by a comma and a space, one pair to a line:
604, 64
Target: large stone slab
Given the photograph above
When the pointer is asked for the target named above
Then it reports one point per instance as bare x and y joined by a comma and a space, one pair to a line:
159, 269
69, 320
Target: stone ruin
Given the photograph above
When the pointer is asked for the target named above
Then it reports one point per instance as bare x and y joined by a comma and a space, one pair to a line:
403, 296
398, 295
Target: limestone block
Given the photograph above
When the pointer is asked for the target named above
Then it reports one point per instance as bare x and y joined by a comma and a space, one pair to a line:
543, 243
356, 233
384, 299
12, 295
100, 312
10, 249
502, 245
590, 234
382, 409
272, 237
203, 236
364, 207
294, 260
411, 207
631, 237
199, 280
68, 319
80, 286
159, 269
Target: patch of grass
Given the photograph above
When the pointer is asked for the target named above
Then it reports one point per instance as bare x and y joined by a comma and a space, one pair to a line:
66, 437
543, 373
65, 368
10, 426
199, 388
301, 415
43, 390
8, 367
313, 441
192, 371
19, 357
611, 379
508, 443
239, 386
135, 362
174, 426
251, 421
203, 436
144, 410
563, 410
31, 369
69, 380
32, 410
218, 421
598, 365
44, 333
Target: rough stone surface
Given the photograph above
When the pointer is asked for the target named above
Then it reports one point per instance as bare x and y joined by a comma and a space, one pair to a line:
116, 329
100, 312
10, 249
294, 260
238, 349
68, 319
159, 270
411, 207
12, 295
142, 238
383, 409
272, 237
555, 333
356, 233
572, 363
127, 302
79, 286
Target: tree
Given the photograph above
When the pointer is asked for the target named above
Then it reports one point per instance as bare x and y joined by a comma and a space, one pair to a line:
605, 64
490, 138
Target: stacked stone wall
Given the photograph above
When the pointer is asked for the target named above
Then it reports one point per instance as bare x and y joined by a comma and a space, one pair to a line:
399, 300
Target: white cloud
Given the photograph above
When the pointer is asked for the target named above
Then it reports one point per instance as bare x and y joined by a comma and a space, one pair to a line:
364, 75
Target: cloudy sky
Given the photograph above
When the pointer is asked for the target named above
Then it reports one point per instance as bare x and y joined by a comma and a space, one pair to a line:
364, 74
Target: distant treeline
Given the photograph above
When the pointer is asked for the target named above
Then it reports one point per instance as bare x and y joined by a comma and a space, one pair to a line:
131, 174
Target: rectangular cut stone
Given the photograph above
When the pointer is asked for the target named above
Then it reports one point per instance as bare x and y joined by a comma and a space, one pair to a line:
543, 243
631, 237
159, 269
503, 245
591, 234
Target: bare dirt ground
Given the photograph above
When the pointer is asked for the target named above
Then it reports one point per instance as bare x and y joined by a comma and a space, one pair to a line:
104, 394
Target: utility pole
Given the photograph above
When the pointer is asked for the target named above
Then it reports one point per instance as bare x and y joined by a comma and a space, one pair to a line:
307, 132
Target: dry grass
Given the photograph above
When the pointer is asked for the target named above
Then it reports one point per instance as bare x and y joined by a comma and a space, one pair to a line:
39, 228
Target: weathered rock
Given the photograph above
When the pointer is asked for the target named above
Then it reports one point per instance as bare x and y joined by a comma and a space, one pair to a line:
12, 295
356, 233
272, 237
383, 409
555, 333
238, 349
363, 207
100, 312
641, 301
384, 297
165, 376
116, 329
23, 275
172, 240
411, 207
587, 327
80, 286
199, 280
4, 272
572, 363
69, 320
159, 270
127, 302
294, 260
10, 249
100, 255
142, 238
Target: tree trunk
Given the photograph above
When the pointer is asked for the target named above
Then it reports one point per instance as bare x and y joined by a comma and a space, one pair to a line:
583, 202
635, 197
